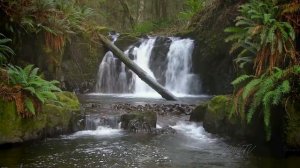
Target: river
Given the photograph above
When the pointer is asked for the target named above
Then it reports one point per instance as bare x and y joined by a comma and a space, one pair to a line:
109, 146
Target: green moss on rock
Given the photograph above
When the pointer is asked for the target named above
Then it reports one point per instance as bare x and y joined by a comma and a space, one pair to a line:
293, 126
197, 115
217, 119
52, 119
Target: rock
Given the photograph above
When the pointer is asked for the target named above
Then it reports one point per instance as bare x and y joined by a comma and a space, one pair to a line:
285, 135
197, 115
292, 129
53, 120
158, 59
164, 130
139, 121
217, 120
211, 58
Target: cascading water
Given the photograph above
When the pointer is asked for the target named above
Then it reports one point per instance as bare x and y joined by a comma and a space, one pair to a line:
175, 69
179, 78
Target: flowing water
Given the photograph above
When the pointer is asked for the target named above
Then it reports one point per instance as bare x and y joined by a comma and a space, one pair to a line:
103, 144
175, 69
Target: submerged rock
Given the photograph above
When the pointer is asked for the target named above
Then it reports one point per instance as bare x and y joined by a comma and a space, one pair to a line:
54, 119
139, 121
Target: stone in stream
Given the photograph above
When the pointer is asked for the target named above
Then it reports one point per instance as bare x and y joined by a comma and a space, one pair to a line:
160, 109
139, 121
197, 115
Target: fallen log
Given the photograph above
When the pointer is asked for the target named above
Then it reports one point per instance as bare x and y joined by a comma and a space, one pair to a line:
137, 70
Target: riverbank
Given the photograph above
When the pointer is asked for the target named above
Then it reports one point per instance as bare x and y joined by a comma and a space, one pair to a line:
54, 119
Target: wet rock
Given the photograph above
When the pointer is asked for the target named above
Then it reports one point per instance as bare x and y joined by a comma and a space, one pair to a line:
158, 58
164, 130
160, 109
211, 57
139, 121
197, 115
53, 120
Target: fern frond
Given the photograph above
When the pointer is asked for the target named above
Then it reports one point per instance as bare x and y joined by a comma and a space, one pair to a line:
241, 79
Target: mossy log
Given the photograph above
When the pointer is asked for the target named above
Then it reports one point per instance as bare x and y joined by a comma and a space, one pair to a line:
136, 69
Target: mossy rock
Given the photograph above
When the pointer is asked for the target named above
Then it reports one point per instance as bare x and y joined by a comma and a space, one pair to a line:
125, 40
54, 119
10, 123
139, 121
292, 130
197, 115
218, 120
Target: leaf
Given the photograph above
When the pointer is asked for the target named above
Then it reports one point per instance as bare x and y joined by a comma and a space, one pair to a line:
250, 87
29, 105
30, 89
241, 79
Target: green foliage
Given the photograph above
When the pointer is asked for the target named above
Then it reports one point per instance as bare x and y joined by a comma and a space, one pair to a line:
191, 7
260, 37
144, 27
267, 90
151, 26
32, 84
5, 51
53, 16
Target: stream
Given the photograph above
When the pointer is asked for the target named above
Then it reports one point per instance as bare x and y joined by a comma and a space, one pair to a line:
104, 144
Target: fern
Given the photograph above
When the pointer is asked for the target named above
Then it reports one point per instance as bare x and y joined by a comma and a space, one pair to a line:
5, 51
251, 86
266, 91
260, 32
29, 105
33, 85
241, 79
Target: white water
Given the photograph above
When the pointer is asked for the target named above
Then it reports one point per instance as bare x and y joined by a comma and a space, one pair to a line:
179, 78
192, 130
142, 54
115, 78
101, 131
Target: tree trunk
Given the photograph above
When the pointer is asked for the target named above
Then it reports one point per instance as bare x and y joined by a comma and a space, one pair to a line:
127, 12
141, 11
136, 69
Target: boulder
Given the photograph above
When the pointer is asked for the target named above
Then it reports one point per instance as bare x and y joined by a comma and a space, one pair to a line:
197, 115
292, 130
139, 121
52, 120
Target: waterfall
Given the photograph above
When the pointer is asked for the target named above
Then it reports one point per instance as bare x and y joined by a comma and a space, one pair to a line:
179, 78
173, 68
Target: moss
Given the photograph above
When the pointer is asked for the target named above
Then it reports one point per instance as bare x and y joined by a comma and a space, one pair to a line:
220, 105
68, 99
198, 113
13, 128
293, 126
10, 122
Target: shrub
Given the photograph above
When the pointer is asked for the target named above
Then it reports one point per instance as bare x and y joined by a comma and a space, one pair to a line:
28, 89
267, 90
5, 51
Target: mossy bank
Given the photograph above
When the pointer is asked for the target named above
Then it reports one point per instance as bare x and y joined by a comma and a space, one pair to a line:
52, 120
216, 118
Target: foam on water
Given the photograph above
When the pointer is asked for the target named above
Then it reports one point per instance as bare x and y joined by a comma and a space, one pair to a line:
192, 130
101, 131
